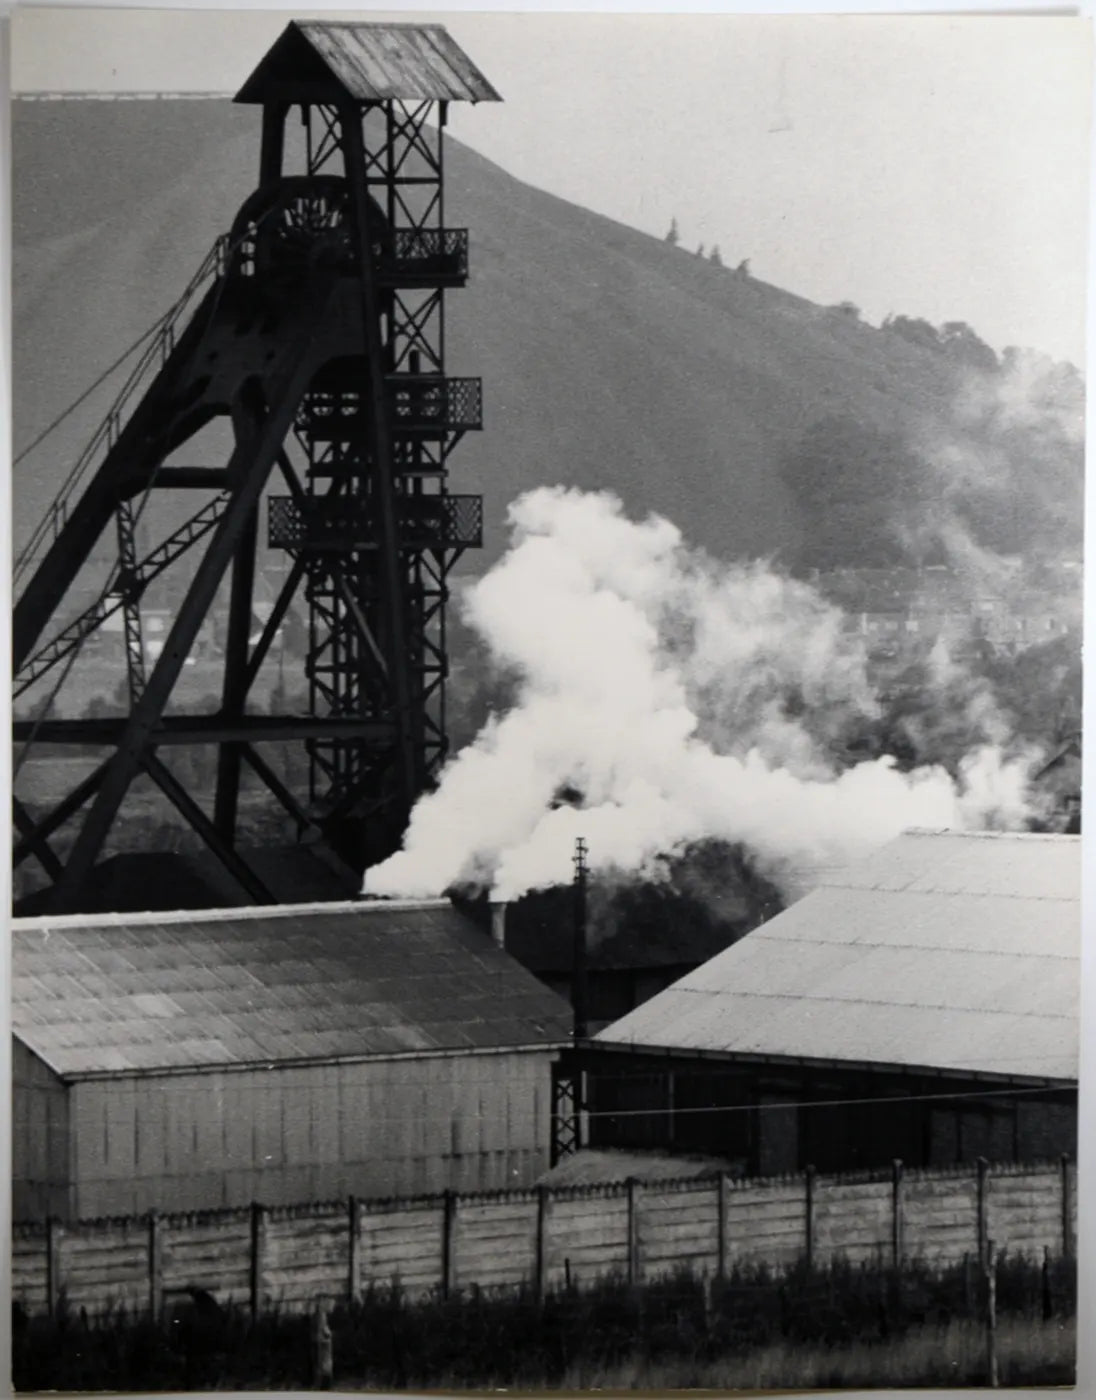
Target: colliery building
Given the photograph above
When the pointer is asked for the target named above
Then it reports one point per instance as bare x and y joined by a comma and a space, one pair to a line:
278, 1054
921, 1006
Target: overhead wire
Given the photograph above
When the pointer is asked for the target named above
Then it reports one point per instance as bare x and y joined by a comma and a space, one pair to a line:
157, 329
965, 1095
154, 329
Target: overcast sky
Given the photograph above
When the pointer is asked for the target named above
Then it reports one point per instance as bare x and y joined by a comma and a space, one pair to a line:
932, 166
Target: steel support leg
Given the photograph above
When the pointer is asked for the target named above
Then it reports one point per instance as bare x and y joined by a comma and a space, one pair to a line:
251, 471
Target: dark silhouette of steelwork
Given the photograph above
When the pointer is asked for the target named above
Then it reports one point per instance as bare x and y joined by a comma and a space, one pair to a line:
580, 998
316, 330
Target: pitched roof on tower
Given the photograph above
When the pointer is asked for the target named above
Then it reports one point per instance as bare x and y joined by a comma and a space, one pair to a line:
327, 61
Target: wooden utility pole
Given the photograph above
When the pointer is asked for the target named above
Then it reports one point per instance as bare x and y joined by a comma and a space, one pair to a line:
991, 1313
579, 981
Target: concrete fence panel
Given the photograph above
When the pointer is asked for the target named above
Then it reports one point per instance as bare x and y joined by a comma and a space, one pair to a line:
496, 1241
402, 1242
941, 1215
587, 1235
678, 1228
1027, 1214
212, 1252
767, 1222
294, 1256
307, 1255
29, 1281
853, 1219
108, 1260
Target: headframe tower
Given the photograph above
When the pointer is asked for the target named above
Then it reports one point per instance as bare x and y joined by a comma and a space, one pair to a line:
319, 339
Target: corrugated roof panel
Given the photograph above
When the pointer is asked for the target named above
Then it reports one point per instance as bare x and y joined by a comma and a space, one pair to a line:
1028, 865
930, 920
269, 987
942, 950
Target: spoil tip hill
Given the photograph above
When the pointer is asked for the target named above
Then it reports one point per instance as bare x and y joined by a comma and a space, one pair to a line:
610, 359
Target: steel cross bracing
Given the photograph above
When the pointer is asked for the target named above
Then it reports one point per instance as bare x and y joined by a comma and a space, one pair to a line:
337, 526
123, 585
567, 1106
320, 342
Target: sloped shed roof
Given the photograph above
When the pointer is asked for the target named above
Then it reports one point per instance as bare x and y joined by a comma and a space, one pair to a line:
950, 951
268, 985
321, 60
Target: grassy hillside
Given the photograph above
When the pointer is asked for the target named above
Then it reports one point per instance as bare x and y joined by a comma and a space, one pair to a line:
609, 358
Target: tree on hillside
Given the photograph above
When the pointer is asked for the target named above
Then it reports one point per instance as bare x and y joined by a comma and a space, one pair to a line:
715, 256
966, 346
700, 250
673, 235
914, 329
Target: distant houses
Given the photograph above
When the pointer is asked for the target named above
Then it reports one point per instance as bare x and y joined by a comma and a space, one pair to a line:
892, 607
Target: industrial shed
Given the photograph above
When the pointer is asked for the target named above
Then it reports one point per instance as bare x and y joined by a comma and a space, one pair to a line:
279, 1054
922, 1006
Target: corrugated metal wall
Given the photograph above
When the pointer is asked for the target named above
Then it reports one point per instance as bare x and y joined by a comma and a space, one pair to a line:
319, 1132
40, 1138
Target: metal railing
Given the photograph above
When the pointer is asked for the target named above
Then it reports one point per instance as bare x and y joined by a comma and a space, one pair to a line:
422, 252
425, 402
336, 524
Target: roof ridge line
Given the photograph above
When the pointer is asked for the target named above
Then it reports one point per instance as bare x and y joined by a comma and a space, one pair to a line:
220, 915
918, 947
958, 835
830, 1000
967, 894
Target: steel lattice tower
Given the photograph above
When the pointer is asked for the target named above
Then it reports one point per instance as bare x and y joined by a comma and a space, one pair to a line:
320, 340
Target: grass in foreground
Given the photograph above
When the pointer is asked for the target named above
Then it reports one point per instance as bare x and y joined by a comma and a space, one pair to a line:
839, 1326
1029, 1353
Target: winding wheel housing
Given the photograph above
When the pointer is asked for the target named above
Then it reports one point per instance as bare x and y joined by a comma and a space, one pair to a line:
321, 340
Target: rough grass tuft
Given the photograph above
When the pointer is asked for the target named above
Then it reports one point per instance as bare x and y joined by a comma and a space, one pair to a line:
843, 1325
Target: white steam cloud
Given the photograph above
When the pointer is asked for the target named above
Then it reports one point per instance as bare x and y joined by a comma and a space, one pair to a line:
680, 699
1011, 443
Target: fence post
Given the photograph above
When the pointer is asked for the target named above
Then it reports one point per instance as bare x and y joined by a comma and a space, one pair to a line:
540, 1281
808, 1186
448, 1241
354, 1248
991, 1313
897, 1214
1067, 1209
53, 1264
322, 1352
724, 1192
983, 1222
710, 1286
634, 1190
155, 1264
258, 1257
